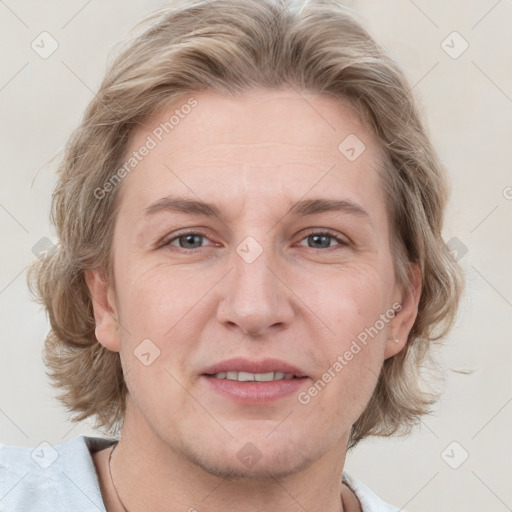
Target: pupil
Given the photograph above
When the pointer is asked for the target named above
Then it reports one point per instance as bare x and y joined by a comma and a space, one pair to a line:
190, 238
324, 237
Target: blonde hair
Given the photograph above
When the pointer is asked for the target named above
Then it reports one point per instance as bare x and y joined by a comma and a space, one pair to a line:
233, 46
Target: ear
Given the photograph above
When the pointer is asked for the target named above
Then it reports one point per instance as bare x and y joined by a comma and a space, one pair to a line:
401, 324
105, 309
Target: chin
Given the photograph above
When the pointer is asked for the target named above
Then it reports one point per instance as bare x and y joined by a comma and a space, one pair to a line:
253, 459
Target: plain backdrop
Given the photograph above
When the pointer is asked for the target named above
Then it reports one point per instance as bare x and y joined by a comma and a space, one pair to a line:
459, 457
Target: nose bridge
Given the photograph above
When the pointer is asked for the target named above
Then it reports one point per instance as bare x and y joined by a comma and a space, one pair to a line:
255, 299
251, 261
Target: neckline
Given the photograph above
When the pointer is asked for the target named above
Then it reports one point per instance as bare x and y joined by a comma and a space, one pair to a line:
96, 444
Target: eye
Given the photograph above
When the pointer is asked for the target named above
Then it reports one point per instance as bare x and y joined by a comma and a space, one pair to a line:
189, 241
322, 239
192, 240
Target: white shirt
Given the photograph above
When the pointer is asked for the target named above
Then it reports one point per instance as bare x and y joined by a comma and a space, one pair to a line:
62, 478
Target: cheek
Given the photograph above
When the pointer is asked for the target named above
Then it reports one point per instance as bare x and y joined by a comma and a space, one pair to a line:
160, 312
155, 301
347, 300
161, 318
351, 306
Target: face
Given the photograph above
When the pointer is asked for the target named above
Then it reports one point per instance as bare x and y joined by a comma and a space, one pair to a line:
263, 275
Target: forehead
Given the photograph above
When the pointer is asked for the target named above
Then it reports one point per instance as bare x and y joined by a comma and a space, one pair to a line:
271, 144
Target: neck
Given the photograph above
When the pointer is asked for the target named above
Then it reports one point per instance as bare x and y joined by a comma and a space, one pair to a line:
152, 475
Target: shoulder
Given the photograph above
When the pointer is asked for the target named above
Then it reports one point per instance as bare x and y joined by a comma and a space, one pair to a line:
370, 502
49, 477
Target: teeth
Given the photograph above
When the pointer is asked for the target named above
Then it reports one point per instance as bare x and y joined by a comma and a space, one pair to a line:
250, 377
246, 377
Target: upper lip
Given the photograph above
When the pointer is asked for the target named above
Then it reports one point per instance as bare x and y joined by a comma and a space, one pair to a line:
240, 364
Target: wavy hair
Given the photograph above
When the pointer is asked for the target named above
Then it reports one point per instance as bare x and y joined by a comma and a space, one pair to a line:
232, 46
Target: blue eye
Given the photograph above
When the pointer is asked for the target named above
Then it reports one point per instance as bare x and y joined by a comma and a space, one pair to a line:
185, 240
321, 237
192, 241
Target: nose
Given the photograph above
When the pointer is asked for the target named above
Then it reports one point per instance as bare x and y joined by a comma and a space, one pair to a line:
255, 296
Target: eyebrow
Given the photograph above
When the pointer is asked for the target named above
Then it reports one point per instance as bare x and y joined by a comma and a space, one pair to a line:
300, 209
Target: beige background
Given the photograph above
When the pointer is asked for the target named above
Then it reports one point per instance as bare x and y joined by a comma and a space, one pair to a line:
467, 103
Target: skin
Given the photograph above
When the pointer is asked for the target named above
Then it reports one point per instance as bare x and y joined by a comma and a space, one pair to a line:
302, 300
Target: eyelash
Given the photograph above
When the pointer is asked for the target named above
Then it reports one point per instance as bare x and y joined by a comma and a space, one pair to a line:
327, 233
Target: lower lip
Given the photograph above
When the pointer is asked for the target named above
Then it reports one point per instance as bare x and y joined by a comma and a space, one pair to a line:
256, 392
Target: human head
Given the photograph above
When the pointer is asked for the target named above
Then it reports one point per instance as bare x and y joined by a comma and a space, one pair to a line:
232, 48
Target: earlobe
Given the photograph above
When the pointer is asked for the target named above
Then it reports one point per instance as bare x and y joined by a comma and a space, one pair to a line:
402, 322
105, 309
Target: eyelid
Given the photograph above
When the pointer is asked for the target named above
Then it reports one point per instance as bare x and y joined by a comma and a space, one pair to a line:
198, 231
340, 239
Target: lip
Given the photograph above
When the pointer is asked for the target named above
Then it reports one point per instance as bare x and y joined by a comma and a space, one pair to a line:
240, 364
255, 393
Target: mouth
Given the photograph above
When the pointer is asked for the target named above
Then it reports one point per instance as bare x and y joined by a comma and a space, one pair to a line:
246, 370
253, 377
254, 382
